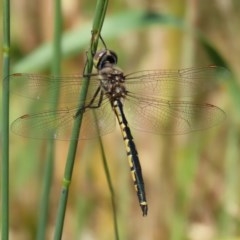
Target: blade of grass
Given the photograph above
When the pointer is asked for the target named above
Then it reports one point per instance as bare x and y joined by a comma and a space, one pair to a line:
5, 122
49, 168
109, 182
97, 26
185, 174
226, 221
110, 186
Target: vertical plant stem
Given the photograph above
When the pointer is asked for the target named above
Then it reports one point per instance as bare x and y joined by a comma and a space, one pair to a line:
190, 164
109, 181
226, 221
5, 122
49, 167
110, 186
97, 26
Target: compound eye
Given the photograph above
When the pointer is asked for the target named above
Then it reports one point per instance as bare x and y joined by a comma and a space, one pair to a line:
104, 56
112, 57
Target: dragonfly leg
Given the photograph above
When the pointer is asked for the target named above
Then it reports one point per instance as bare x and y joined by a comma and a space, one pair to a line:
91, 103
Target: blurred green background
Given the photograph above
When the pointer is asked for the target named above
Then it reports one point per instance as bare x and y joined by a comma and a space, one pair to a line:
192, 181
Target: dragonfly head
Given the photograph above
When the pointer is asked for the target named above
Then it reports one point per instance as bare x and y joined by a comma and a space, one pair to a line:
104, 57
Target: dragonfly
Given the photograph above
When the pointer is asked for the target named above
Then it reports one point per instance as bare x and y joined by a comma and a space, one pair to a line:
143, 100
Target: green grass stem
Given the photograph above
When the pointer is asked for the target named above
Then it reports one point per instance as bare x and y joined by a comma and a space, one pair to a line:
5, 122
97, 26
226, 221
110, 186
49, 167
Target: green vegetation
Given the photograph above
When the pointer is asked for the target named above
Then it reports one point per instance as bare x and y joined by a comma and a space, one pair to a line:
192, 181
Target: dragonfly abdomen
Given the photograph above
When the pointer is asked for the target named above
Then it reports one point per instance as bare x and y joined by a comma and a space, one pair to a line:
132, 154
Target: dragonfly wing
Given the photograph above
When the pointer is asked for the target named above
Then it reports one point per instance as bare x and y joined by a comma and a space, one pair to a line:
43, 87
98, 121
169, 117
44, 125
165, 83
58, 124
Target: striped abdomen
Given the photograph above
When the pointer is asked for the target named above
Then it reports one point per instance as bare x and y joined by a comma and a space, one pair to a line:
132, 154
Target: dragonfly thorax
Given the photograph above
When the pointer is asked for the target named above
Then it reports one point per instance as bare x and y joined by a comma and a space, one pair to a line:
111, 77
112, 82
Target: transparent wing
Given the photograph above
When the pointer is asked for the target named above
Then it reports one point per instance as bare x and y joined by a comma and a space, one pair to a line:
43, 87
164, 83
151, 107
171, 117
58, 124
